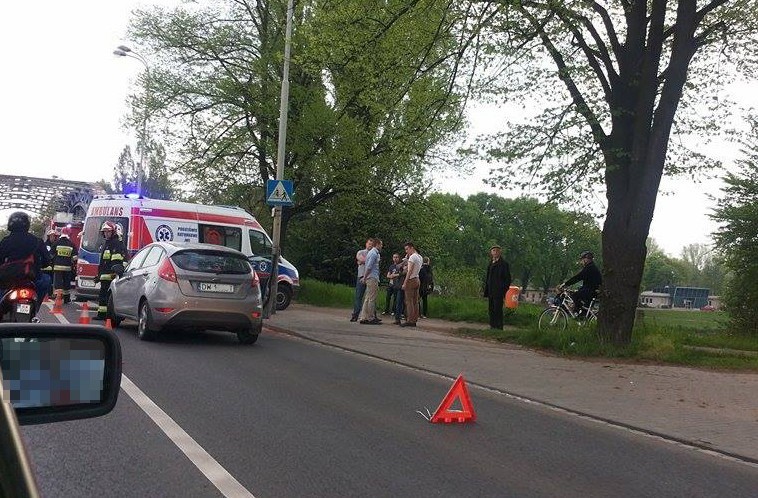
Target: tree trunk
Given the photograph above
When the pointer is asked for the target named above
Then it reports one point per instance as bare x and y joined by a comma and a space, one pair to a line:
624, 254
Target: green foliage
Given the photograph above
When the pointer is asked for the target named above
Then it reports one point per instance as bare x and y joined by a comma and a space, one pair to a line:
369, 97
738, 239
155, 184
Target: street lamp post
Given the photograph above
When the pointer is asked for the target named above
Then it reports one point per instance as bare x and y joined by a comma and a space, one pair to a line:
270, 308
124, 51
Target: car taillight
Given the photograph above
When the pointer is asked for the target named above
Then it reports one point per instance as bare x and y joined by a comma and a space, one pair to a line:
21, 294
166, 271
25, 294
256, 281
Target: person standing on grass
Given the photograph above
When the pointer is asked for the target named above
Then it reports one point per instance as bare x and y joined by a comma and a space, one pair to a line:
360, 286
426, 278
371, 280
411, 285
496, 283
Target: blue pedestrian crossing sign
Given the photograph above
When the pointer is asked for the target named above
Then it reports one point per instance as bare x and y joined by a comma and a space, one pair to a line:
279, 193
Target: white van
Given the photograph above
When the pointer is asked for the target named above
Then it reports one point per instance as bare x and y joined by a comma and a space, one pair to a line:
144, 221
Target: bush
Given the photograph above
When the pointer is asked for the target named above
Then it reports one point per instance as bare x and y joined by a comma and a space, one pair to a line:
458, 282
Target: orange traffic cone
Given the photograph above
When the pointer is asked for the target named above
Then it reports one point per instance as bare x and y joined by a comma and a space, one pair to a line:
108, 324
58, 305
84, 318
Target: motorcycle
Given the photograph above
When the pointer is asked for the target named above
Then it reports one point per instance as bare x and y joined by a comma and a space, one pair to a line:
19, 304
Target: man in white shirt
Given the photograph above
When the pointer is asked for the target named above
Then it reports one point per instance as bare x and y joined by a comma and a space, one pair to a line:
411, 285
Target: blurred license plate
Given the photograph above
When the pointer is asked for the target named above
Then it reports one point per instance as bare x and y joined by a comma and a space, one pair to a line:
24, 308
205, 287
86, 283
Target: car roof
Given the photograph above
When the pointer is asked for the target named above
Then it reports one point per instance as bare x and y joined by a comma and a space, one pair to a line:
174, 246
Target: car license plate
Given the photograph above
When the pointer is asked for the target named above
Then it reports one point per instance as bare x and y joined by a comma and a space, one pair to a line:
226, 288
24, 308
86, 283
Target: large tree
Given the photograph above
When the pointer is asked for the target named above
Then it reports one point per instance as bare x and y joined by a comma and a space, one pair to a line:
617, 78
737, 237
373, 88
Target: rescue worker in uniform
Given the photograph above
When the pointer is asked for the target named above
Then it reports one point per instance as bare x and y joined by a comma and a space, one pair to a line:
50, 240
112, 261
63, 260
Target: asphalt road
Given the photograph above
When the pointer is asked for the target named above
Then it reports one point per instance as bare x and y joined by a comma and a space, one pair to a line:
290, 418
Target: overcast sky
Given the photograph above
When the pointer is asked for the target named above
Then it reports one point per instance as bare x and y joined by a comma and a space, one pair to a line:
64, 98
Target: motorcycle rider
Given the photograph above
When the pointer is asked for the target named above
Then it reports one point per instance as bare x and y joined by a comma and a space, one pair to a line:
63, 256
20, 245
112, 259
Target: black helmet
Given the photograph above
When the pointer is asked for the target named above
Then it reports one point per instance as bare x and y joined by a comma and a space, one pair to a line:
19, 222
587, 254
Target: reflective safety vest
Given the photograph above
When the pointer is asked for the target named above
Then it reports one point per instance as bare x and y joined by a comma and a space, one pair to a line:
62, 253
113, 253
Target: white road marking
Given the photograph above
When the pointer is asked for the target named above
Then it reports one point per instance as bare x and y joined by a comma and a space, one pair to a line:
211, 469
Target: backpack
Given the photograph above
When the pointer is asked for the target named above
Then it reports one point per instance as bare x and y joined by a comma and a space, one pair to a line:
20, 269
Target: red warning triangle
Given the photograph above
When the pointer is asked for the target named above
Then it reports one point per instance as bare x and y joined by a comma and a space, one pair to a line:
459, 391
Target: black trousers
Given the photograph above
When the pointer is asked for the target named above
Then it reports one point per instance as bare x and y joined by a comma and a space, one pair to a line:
496, 311
582, 299
388, 302
102, 299
62, 282
424, 304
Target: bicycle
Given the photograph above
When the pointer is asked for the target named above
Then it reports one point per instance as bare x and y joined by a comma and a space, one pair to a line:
561, 307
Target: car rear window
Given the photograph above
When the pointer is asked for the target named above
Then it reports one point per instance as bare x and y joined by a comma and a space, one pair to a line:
211, 262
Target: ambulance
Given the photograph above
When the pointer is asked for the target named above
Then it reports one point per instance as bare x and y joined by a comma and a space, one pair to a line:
142, 221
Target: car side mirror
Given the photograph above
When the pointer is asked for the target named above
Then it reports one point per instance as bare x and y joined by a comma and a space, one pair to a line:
52, 373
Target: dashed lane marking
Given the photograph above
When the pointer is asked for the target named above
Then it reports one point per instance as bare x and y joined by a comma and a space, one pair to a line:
205, 463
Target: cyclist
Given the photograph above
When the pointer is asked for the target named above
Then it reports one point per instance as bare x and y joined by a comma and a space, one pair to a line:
20, 245
591, 280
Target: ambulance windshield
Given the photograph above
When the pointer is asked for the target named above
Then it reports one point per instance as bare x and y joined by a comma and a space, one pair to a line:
92, 239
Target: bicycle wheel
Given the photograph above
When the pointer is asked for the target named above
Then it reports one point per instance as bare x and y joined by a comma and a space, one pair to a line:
553, 319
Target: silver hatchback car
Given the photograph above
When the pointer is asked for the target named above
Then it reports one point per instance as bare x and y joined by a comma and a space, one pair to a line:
199, 286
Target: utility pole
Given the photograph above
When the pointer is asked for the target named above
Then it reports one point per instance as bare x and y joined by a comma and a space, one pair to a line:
283, 110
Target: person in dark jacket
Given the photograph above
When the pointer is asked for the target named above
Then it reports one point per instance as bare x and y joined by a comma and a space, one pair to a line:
426, 278
50, 239
112, 262
496, 284
591, 280
19, 245
62, 252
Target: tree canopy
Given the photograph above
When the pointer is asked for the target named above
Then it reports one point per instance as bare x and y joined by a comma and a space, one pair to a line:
370, 95
737, 237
